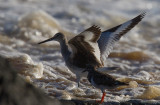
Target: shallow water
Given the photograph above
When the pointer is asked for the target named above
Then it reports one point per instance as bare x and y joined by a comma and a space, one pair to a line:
24, 23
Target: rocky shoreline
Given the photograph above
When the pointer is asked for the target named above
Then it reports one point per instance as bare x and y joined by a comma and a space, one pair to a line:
14, 90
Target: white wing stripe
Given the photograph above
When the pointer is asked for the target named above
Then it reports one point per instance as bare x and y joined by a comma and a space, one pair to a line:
109, 37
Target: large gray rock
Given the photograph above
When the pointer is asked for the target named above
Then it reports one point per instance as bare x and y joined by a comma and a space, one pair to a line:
15, 91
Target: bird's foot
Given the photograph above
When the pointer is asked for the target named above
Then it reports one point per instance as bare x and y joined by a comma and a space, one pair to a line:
99, 101
102, 99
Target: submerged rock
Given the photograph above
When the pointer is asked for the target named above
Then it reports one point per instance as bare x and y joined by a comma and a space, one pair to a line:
151, 92
15, 91
134, 56
23, 64
143, 82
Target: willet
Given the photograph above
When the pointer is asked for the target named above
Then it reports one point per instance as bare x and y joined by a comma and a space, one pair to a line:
91, 47
102, 81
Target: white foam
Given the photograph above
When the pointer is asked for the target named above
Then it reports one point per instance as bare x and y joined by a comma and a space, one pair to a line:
75, 16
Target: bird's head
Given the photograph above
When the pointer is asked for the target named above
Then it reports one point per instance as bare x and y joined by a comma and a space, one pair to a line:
57, 37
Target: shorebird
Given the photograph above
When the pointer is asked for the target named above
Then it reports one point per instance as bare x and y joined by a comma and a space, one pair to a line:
102, 80
91, 47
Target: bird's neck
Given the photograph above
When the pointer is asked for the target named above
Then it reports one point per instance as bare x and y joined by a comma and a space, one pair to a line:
64, 48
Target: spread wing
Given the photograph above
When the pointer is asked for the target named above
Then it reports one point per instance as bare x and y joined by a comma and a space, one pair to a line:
109, 37
91, 34
85, 48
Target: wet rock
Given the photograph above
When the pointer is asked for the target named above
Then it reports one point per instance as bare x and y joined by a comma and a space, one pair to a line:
15, 91
133, 84
134, 56
151, 92
143, 82
4, 39
23, 64
129, 102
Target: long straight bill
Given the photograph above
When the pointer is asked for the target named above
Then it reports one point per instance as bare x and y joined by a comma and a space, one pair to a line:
46, 41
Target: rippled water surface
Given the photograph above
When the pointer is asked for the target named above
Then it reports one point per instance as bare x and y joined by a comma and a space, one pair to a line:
24, 23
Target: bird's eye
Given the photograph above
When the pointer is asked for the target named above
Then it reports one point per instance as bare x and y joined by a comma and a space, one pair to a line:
56, 36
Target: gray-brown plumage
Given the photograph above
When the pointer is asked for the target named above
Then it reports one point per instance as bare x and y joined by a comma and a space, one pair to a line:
101, 80
83, 50
91, 47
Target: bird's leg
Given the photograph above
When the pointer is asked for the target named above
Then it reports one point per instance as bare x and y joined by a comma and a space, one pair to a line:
102, 99
78, 80
78, 84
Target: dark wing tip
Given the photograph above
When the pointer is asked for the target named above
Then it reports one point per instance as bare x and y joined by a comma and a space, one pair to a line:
96, 27
135, 21
139, 17
143, 14
96, 31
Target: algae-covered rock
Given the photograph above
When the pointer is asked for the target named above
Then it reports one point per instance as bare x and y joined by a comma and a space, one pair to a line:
151, 92
23, 64
15, 91
134, 56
